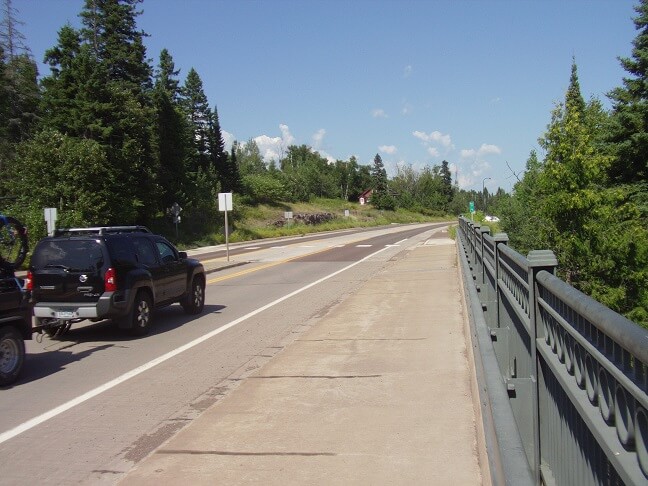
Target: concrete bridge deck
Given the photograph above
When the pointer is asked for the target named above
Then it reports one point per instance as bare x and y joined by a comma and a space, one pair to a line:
380, 397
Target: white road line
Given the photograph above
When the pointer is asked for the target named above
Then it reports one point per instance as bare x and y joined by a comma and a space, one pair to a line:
30, 424
251, 247
277, 247
364, 246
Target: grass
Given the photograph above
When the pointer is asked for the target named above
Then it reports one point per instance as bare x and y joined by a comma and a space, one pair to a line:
264, 221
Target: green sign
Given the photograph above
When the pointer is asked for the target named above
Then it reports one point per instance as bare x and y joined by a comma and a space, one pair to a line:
472, 206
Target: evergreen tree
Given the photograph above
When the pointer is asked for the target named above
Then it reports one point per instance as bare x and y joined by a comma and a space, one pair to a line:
231, 178
202, 179
573, 179
629, 128
217, 147
110, 29
97, 90
11, 39
20, 78
379, 176
171, 135
196, 107
167, 76
4, 112
446, 181
380, 198
574, 98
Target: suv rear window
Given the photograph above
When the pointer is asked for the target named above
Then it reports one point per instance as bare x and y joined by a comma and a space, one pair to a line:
68, 254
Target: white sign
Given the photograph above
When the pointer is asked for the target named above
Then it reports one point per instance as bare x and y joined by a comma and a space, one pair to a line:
50, 219
224, 201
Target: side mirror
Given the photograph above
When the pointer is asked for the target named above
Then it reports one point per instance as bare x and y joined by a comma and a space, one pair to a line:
183, 255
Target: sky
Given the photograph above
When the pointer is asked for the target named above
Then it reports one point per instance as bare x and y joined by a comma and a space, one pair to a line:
472, 82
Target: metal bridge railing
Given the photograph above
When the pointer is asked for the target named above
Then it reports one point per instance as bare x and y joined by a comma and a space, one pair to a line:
575, 372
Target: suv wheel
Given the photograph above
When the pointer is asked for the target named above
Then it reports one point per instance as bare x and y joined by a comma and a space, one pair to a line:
140, 317
195, 300
12, 354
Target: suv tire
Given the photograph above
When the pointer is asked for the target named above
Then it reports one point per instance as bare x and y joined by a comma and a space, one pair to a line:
195, 300
12, 354
140, 317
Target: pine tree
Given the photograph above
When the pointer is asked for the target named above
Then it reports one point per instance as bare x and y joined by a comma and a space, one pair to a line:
4, 112
98, 89
380, 198
574, 99
446, 180
11, 39
202, 179
20, 77
379, 175
110, 29
171, 137
231, 178
217, 148
629, 129
196, 108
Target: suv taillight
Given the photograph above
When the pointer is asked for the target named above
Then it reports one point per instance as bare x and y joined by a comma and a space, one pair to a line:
29, 281
110, 280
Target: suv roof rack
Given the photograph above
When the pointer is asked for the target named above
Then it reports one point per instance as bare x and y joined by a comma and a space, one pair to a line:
101, 230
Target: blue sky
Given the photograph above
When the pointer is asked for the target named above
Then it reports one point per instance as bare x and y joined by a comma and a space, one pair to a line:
472, 82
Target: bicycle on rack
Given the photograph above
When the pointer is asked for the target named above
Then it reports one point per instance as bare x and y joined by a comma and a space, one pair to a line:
13, 242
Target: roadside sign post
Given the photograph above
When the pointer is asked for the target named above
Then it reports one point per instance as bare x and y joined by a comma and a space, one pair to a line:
175, 211
225, 204
472, 210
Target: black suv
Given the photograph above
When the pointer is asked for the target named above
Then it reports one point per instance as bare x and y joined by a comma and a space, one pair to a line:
15, 327
117, 272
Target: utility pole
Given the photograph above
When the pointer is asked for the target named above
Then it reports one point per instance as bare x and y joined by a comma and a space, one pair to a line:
483, 195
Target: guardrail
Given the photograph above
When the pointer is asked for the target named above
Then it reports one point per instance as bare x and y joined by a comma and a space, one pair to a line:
574, 372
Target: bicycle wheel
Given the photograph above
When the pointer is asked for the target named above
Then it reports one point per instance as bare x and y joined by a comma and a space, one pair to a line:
13, 241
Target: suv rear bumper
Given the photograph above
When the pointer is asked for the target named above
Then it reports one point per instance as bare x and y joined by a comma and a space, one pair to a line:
109, 305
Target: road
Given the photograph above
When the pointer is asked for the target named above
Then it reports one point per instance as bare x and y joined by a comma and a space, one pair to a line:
96, 402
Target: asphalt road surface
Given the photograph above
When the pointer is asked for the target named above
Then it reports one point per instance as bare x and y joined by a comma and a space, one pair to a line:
93, 403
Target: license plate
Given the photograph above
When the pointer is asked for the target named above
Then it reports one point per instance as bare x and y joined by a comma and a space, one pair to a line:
64, 314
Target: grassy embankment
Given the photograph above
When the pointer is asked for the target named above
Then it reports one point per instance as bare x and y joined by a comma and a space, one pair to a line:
265, 221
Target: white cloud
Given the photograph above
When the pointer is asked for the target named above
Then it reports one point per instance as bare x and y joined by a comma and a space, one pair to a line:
388, 149
378, 113
228, 139
467, 153
407, 109
434, 137
286, 135
318, 137
433, 151
330, 159
273, 148
432, 141
473, 175
408, 71
485, 149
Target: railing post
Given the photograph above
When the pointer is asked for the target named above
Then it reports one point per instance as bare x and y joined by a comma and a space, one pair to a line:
484, 230
477, 246
500, 239
538, 260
